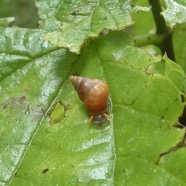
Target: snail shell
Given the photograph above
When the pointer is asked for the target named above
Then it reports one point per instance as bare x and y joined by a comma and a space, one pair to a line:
93, 92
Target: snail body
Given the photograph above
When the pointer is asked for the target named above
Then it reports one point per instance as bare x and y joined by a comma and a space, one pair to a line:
94, 93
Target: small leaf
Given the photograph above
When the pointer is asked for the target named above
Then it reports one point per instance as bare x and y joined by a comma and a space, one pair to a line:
175, 12
179, 38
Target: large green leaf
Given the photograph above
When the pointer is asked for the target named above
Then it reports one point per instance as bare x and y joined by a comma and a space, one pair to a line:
147, 96
30, 78
72, 22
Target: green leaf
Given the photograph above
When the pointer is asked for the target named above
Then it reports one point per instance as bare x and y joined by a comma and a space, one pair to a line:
179, 38
73, 22
175, 12
147, 99
142, 16
174, 162
30, 79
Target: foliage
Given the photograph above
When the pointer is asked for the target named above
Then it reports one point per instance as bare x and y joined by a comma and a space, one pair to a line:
138, 48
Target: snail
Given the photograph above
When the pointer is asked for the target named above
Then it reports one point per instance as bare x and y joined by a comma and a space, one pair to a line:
94, 93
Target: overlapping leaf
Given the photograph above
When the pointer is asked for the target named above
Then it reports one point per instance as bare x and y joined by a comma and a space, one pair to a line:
175, 12
72, 22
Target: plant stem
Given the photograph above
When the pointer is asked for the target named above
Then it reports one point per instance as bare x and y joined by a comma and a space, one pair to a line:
161, 28
147, 39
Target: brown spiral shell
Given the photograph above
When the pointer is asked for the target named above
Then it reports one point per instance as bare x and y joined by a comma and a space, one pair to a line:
93, 92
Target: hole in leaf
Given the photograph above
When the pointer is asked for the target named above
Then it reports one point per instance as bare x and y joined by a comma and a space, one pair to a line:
57, 113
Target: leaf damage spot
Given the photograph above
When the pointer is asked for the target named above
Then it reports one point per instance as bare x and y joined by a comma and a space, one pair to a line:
57, 113
74, 13
22, 99
45, 170
14, 102
162, 117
